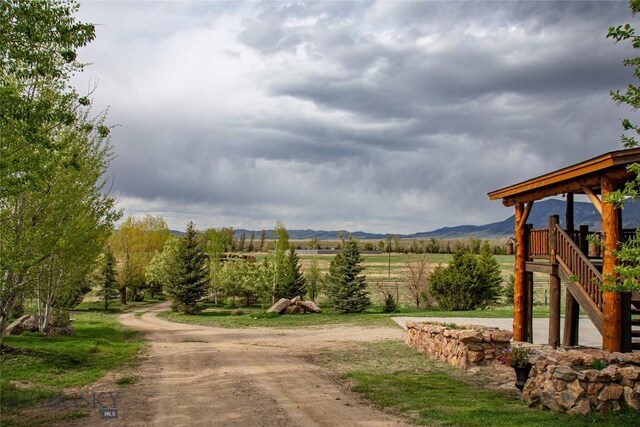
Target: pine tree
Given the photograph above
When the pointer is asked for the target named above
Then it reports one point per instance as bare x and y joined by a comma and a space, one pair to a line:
492, 274
293, 281
190, 281
346, 287
109, 289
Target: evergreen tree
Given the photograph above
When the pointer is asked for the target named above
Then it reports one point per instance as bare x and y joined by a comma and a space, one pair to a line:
109, 288
293, 281
190, 281
491, 272
464, 283
346, 287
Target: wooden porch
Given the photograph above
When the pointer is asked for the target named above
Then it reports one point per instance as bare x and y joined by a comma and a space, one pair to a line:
563, 254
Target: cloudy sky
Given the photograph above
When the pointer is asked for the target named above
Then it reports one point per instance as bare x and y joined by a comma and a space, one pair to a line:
373, 116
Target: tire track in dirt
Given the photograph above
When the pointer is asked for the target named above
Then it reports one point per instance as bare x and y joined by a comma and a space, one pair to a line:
203, 376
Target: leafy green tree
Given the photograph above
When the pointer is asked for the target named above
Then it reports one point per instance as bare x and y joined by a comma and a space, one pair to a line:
108, 282
463, 284
189, 284
277, 259
54, 212
162, 267
314, 280
346, 287
134, 244
628, 268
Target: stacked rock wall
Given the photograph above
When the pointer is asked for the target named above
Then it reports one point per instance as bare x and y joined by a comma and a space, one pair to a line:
565, 381
461, 346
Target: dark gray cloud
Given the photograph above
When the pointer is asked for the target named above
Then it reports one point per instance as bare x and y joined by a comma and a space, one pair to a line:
378, 116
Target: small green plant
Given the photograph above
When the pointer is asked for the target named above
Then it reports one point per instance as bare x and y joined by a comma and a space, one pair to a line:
237, 313
599, 364
450, 325
390, 304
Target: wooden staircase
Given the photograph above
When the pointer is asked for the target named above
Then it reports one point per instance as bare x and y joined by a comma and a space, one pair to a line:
583, 280
635, 321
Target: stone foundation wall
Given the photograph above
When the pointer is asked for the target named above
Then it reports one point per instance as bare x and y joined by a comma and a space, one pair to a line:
565, 381
461, 346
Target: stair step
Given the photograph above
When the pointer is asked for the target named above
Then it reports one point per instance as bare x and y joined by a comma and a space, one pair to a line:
635, 333
635, 345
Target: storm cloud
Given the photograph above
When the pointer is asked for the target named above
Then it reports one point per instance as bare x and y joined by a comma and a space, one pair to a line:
375, 116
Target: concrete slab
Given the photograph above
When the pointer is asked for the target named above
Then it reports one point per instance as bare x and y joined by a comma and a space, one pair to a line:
588, 335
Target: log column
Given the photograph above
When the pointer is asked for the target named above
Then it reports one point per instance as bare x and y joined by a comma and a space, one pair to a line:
529, 282
519, 277
612, 313
554, 287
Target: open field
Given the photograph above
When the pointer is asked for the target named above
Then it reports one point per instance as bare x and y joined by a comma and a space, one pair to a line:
384, 270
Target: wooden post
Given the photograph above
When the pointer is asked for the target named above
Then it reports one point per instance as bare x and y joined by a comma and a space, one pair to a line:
529, 283
569, 213
519, 277
612, 307
554, 287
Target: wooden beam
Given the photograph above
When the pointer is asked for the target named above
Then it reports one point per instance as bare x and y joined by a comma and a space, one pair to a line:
594, 199
519, 278
575, 186
554, 287
525, 215
612, 302
569, 213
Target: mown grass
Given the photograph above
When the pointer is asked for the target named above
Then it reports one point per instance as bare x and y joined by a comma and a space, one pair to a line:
397, 378
44, 366
255, 317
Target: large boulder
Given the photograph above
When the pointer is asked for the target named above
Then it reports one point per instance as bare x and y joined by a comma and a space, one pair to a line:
279, 306
17, 327
32, 323
294, 309
309, 306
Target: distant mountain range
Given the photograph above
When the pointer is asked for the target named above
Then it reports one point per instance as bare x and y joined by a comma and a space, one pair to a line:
584, 213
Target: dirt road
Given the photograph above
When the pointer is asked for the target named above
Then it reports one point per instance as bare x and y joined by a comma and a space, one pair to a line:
203, 376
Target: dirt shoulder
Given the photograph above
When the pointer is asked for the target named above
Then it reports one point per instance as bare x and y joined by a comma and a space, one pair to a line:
194, 375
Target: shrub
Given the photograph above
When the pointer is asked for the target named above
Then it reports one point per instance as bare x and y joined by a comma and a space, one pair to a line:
465, 284
390, 305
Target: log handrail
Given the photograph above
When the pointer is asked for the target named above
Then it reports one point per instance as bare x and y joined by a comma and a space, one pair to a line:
579, 265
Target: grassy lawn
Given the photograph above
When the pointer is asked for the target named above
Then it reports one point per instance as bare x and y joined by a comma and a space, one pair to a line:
45, 366
397, 378
255, 316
